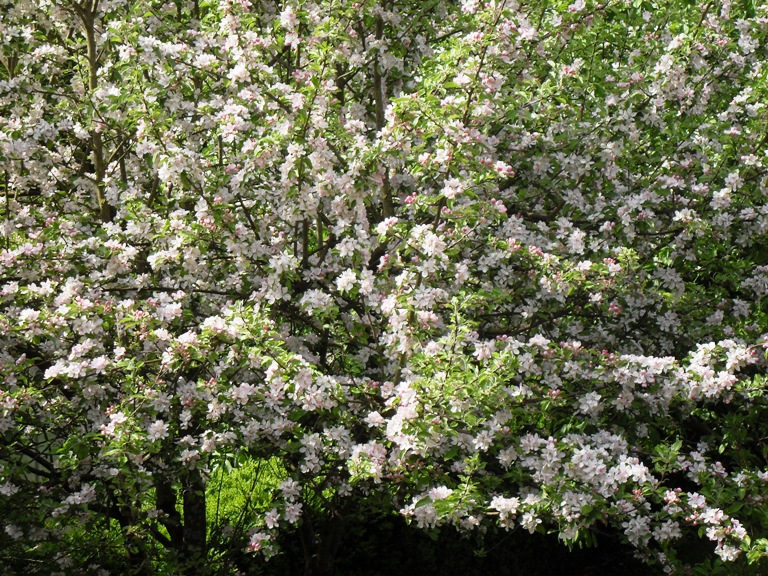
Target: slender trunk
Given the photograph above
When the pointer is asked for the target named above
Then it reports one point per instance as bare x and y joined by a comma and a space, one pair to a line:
320, 543
88, 20
379, 93
134, 546
194, 550
166, 501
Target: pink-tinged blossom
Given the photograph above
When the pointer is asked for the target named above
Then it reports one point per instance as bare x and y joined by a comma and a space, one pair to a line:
28, 316
439, 493
272, 519
539, 340
55, 370
189, 457
169, 311
290, 489
374, 419
726, 552
507, 457
188, 338
637, 529
425, 515
484, 350
83, 496
669, 530
452, 188
158, 430
377, 286
14, 531
257, 541
115, 420
590, 404
288, 18
316, 301
8, 489
506, 509
385, 225
530, 521
346, 281
100, 363
696, 500
292, 512
242, 393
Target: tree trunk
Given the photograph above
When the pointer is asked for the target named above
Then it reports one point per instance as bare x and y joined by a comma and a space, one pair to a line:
194, 550
320, 548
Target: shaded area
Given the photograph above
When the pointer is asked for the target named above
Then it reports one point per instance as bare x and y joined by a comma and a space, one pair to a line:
388, 546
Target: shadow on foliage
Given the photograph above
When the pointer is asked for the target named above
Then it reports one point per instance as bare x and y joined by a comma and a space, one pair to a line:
387, 546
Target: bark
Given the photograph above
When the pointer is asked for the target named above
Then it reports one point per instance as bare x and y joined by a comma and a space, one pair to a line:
194, 550
87, 17
320, 543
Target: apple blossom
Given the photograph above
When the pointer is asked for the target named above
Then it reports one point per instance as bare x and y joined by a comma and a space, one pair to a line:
480, 264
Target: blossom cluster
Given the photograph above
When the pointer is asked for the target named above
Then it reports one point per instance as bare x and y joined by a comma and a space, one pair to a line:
482, 264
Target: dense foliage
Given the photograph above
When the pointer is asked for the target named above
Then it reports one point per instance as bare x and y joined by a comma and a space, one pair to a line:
479, 263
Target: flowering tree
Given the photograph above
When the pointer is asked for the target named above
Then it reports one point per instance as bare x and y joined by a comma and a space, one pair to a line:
476, 262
